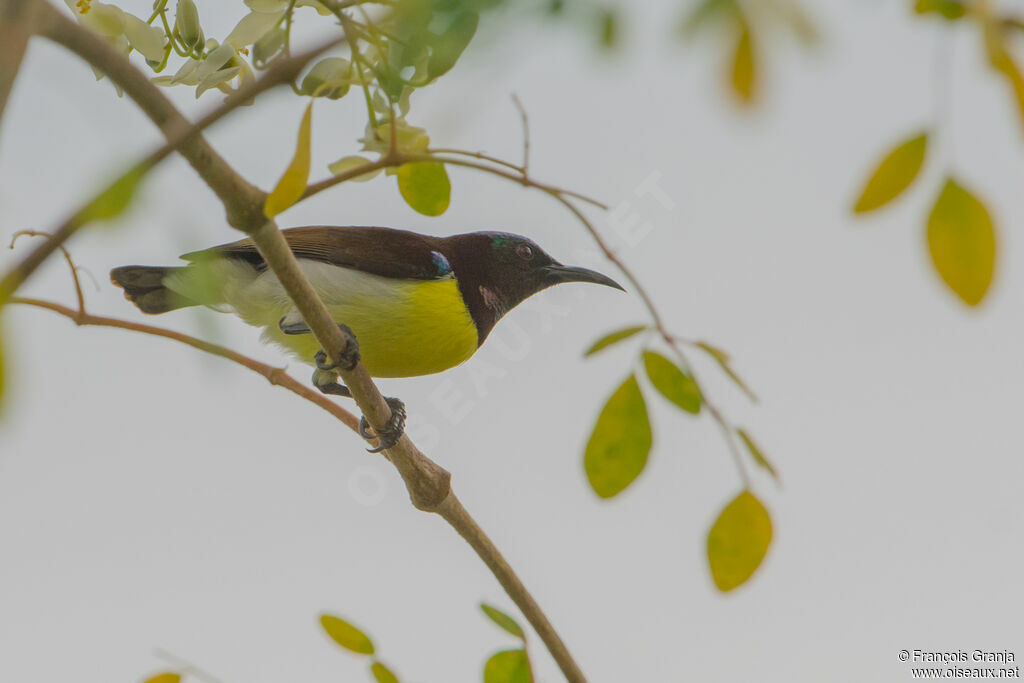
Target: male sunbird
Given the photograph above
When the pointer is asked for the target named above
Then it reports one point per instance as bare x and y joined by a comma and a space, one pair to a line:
417, 304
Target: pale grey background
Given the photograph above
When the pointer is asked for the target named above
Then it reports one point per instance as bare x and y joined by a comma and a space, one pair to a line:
154, 497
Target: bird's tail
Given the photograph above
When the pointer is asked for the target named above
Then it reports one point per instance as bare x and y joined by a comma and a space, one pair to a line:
144, 287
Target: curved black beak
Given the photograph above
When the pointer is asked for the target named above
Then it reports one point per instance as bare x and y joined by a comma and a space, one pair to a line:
559, 273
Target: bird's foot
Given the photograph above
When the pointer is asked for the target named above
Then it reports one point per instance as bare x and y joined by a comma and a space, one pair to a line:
392, 432
332, 387
349, 355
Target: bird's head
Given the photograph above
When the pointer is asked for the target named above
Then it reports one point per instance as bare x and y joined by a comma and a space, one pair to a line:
497, 271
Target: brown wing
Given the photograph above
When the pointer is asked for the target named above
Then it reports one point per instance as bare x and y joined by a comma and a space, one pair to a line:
381, 251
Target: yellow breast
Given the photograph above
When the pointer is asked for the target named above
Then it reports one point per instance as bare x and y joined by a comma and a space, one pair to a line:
409, 328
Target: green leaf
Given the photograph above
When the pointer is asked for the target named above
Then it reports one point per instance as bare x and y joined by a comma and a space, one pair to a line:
509, 666
114, 200
949, 9
620, 443
743, 74
609, 28
425, 187
503, 620
756, 453
613, 338
673, 383
449, 46
722, 358
962, 242
738, 541
894, 174
382, 674
346, 635
293, 183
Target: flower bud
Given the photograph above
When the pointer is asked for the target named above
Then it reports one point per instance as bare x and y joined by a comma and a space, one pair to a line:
186, 23
332, 73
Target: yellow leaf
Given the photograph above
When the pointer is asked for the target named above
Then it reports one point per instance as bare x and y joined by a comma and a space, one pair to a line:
999, 57
165, 678
756, 453
722, 358
614, 338
382, 674
738, 541
962, 242
296, 176
894, 174
744, 66
503, 620
425, 187
509, 666
620, 443
346, 635
116, 198
674, 384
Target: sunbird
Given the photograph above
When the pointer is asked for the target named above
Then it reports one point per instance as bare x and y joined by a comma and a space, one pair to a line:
417, 304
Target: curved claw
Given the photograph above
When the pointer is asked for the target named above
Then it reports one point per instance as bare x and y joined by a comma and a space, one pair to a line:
320, 360
349, 358
364, 428
390, 434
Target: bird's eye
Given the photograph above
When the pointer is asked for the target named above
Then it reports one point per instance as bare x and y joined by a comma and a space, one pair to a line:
524, 252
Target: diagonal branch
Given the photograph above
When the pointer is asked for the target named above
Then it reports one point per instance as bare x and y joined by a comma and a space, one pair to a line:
428, 483
15, 28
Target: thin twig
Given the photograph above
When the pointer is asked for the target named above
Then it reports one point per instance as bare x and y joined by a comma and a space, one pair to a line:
276, 376
405, 158
663, 331
67, 257
526, 134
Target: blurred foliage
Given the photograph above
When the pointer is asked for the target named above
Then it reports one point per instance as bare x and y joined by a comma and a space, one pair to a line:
165, 678
352, 639
960, 233
613, 338
293, 183
894, 174
756, 453
745, 25
503, 620
738, 541
962, 242
507, 666
621, 441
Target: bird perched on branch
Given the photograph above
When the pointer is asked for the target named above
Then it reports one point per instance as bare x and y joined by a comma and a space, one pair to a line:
417, 304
